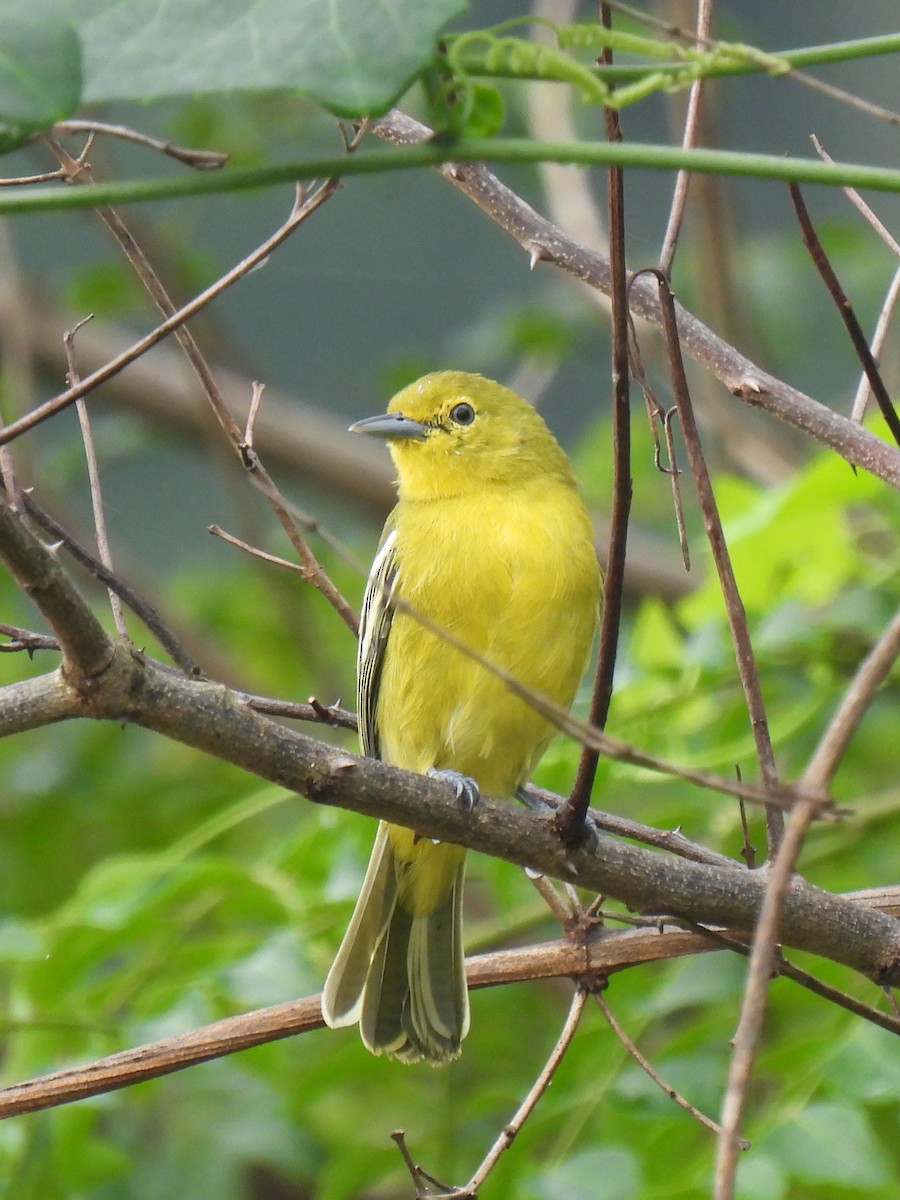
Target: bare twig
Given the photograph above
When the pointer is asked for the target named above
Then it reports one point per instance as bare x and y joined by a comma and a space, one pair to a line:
570, 819
879, 336
867, 212
49, 409
273, 559
537, 1089
783, 967
657, 415
24, 639
562, 908
87, 438
674, 473
200, 160
140, 607
771, 794
312, 571
647, 1066
737, 617
759, 975
882, 325
688, 139
334, 715
848, 316
26, 180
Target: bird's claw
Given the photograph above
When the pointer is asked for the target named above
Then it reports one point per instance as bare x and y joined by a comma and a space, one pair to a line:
590, 836
467, 791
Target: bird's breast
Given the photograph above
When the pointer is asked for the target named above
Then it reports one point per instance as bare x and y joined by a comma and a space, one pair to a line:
513, 575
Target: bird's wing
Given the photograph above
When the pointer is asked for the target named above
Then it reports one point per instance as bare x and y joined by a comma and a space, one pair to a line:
375, 625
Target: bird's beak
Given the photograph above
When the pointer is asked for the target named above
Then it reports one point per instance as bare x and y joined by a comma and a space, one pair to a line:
392, 426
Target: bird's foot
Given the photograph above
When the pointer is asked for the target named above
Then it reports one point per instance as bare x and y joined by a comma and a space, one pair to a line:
467, 791
589, 838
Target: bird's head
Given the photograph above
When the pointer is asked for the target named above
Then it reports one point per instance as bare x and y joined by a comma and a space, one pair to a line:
450, 433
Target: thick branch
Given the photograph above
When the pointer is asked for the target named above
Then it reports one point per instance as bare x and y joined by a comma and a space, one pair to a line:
210, 718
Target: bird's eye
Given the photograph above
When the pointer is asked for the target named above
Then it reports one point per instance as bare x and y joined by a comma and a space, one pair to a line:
462, 413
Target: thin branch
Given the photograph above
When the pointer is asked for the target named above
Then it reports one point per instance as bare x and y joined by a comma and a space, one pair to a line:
65, 399
648, 1068
688, 139
273, 560
672, 840
847, 315
882, 325
879, 337
142, 609
93, 469
333, 715
535, 1092
569, 820
24, 639
771, 794
31, 180
312, 570
783, 967
759, 975
737, 617
866, 210
200, 160
656, 415
597, 955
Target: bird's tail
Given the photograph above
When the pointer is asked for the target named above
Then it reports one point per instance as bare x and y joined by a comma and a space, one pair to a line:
401, 975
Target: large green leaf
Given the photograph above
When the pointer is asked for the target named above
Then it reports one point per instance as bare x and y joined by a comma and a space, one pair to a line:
353, 56
40, 74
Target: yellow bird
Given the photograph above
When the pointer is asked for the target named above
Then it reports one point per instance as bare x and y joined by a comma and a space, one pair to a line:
491, 541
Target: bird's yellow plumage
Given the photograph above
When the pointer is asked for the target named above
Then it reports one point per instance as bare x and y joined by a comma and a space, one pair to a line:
490, 541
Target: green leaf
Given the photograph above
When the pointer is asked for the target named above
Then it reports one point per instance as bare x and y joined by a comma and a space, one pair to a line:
833, 1144
40, 75
577, 1177
353, 56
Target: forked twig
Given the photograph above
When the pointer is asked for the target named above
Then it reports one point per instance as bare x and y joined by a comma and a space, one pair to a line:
537, 1089
241, 440
140, 607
